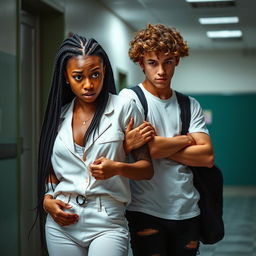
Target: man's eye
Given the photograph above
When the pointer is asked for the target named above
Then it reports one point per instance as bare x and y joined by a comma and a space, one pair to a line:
151, 63
169, 61
95, 75
77, 77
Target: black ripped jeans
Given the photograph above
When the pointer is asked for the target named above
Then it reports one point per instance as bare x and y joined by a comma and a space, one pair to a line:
153, 236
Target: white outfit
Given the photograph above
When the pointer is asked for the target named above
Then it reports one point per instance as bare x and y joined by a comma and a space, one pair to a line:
102, 215
170, 194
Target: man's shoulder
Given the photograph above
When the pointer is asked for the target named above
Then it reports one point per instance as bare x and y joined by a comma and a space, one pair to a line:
193, 100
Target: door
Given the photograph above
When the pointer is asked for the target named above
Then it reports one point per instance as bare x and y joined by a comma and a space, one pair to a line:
28, 130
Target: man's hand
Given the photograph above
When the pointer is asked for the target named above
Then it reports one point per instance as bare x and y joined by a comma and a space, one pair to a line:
135, 138
55, 209
103, 168
191, 139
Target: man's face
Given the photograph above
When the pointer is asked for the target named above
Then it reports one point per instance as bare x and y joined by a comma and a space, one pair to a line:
159, 68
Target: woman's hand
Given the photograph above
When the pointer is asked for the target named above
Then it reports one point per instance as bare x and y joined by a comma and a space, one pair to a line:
55, 208
135, 138
103, 168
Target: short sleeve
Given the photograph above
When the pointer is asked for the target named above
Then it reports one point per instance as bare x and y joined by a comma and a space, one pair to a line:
197, 123
130, 94
130, 109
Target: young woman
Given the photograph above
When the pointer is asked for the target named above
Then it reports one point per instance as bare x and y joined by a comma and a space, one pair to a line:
83, 177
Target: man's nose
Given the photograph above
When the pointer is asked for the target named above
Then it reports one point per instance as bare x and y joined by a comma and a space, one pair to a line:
161, 70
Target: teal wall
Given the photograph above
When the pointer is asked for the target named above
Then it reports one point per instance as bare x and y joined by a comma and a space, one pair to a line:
9, 215
233, 132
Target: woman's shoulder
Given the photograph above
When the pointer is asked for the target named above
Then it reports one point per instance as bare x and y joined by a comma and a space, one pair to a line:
121, 100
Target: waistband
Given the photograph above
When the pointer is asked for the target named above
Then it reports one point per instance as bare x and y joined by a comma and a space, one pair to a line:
84, 200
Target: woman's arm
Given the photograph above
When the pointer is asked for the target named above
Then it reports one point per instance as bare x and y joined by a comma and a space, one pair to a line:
104, 168
56, 207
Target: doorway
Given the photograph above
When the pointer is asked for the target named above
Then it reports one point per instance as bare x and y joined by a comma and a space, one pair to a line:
28, 130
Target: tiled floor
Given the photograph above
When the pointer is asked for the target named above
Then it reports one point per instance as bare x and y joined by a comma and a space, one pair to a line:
240, 224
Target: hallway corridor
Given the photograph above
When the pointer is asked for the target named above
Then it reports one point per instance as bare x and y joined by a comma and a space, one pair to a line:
240, 225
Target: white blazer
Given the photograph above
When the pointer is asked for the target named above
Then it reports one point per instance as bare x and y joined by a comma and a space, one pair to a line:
73, 172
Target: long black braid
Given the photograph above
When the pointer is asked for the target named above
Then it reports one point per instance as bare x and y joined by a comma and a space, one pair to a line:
61, 94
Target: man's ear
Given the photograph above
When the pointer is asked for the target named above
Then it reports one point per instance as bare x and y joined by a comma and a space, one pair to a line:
177, 60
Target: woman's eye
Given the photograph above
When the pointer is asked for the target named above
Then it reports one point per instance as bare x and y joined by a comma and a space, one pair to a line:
77, 77
95, 75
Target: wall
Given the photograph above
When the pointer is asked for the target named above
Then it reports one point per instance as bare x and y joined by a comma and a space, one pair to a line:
233, 134
225, 83
217, 71
94, 20
8, 127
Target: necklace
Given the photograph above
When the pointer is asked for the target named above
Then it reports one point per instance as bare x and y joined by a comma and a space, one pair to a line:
85, 121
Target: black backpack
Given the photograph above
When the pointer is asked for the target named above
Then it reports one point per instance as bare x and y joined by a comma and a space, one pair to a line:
207, 181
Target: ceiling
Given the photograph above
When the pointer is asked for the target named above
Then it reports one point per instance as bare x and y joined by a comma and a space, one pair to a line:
184, 17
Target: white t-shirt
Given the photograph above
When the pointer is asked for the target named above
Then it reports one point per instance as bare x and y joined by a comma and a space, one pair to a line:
73, 171
170, 194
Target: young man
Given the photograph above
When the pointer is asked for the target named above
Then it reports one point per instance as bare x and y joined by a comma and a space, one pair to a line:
163, 214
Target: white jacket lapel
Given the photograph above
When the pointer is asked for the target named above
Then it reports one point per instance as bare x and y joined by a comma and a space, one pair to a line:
105, 124
66, 133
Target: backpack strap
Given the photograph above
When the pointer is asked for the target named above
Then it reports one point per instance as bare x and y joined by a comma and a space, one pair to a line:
184, 104
142, 99
185, 113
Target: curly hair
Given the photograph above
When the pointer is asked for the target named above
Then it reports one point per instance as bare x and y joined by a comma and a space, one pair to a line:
156, 38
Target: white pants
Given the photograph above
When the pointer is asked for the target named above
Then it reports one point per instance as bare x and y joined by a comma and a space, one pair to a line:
101, 230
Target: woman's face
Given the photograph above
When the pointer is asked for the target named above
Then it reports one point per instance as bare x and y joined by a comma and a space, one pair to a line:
85, 75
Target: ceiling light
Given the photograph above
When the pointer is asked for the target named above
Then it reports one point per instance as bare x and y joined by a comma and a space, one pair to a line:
218, 20
224, 34
199, 1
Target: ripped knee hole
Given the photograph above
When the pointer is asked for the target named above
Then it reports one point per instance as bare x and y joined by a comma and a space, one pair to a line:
192, 245
147, 232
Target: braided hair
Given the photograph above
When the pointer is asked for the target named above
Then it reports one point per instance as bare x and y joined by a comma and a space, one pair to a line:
60, 95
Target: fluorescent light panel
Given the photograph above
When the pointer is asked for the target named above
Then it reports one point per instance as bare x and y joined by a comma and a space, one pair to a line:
201, 1
218, 20
224, 34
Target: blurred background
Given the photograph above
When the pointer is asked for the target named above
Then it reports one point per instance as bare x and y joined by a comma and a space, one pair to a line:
220, 73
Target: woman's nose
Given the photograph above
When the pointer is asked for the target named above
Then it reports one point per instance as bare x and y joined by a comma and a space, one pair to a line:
88, 84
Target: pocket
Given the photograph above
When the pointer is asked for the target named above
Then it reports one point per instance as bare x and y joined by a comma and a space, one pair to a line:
114, 210
111, 136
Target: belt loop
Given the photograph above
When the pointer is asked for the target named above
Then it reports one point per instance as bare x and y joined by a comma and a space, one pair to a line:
98, 200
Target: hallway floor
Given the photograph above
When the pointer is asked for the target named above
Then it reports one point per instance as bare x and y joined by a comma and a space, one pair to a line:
240, 225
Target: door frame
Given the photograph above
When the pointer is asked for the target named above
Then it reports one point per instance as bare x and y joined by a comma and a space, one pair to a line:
29, 246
